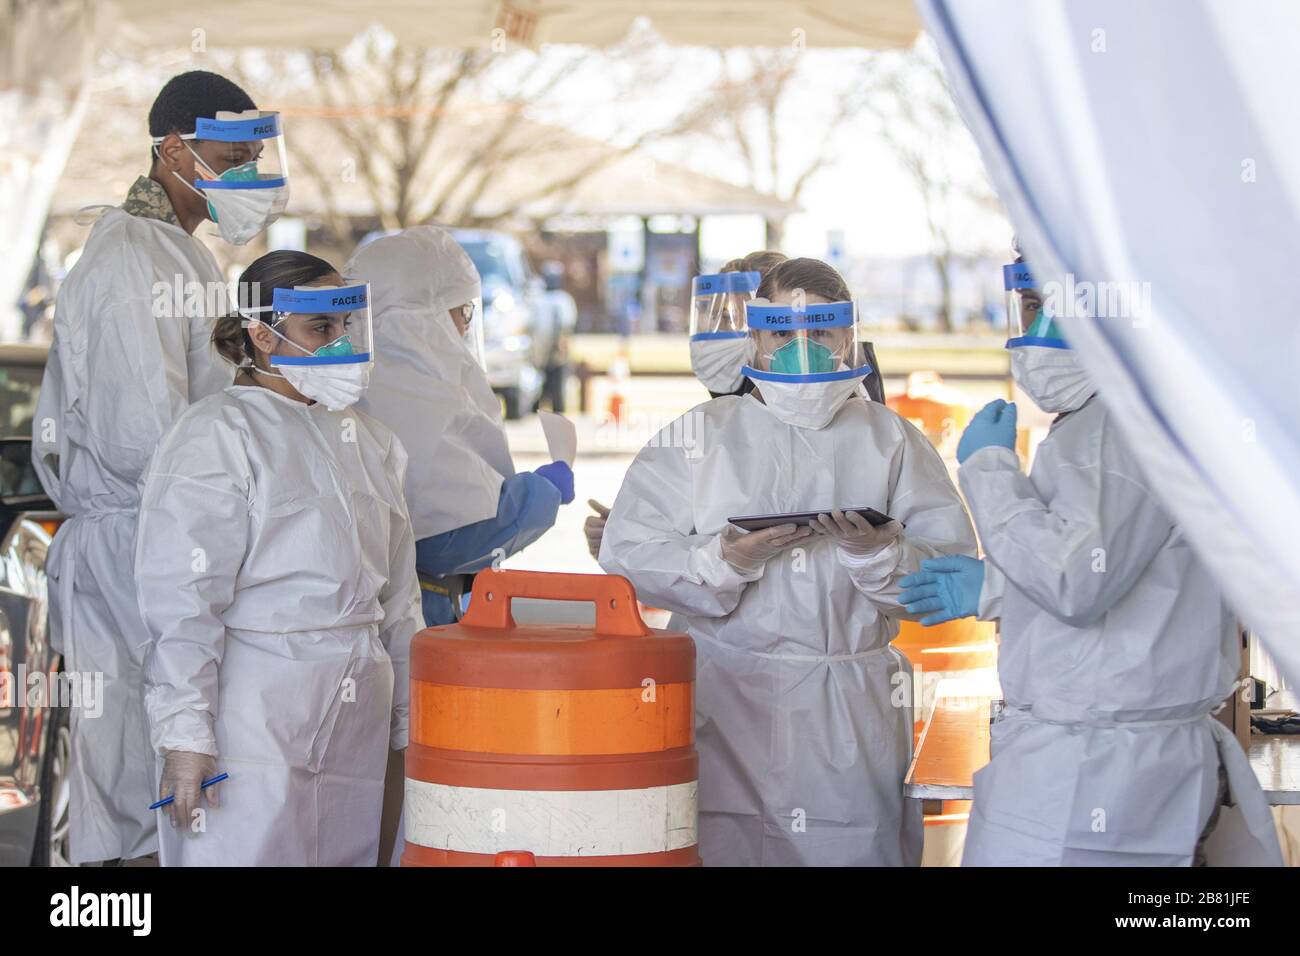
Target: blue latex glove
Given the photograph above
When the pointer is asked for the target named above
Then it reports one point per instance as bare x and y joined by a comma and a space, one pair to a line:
994, 424
949, 586
561, 476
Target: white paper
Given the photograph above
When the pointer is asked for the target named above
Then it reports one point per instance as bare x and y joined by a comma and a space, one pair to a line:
561, 437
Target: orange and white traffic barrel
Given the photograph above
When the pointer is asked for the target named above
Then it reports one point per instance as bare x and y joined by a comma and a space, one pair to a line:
560, 744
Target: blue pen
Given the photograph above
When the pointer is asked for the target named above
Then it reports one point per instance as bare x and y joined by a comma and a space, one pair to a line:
203, 786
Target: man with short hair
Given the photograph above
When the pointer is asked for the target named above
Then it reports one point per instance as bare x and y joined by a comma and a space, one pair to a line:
126, 360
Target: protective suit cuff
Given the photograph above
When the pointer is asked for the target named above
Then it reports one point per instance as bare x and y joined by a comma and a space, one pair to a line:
399, 738
708, 564
874, 568
991, 458
191, 732
990, 602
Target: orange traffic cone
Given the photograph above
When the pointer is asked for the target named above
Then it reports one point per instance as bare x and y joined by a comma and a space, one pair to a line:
619, 373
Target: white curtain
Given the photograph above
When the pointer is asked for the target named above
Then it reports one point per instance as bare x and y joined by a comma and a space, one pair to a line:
45, 58
1153, 150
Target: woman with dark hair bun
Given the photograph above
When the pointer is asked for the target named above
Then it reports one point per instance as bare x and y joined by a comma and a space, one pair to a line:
803, 713
283, 269
276, 570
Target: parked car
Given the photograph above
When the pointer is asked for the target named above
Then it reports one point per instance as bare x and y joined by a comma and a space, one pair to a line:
35, 744
514, 346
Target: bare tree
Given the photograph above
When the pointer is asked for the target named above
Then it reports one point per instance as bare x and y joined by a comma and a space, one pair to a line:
918, 120
759, 104
763, 101
430, 132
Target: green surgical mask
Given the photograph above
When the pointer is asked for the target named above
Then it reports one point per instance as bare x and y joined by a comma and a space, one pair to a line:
802, 357
1044, 327
243, 173
340, 346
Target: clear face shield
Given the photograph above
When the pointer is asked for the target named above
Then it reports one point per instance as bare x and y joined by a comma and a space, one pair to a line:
1029, 322
1042, 362
720, 343
718, 304
240, 151
468, 320
320, 326
820, 342
241, 169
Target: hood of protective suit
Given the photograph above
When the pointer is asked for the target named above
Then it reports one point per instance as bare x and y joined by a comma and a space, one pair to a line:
420, 267
426, 385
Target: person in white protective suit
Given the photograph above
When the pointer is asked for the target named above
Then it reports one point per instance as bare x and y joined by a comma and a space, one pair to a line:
276, 570
803, 717
1116, 645
469, 507
131, 350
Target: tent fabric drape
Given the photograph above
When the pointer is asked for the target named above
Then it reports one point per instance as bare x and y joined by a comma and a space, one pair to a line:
46, 47
1145, 152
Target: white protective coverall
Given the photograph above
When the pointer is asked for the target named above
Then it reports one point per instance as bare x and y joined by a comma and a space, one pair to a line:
277, 573
1115, 646
803, 716
426, 385
126, 360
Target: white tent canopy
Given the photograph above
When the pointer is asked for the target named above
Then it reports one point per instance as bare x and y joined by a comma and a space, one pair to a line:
1149, 149
331, 23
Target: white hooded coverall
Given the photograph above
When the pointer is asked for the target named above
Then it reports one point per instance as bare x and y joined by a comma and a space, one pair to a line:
1115, 647
126, 360
803, 716
426, 385
277, 575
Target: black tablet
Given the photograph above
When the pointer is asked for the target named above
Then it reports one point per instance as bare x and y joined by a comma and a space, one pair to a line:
759, 522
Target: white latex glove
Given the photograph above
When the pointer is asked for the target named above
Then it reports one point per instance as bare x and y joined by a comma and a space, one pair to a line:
747, 552
594, 526
854, 533
182, 777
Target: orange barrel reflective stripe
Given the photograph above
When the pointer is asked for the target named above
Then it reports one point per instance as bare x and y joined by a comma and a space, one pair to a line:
960, 645
568, 745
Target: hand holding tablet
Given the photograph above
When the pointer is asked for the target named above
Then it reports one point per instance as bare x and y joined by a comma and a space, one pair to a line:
875, 518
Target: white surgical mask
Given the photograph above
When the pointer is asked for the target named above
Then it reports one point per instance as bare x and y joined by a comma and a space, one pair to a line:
717, 362
243, 213
807, 404
334, 386
1051, 377
240, 214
